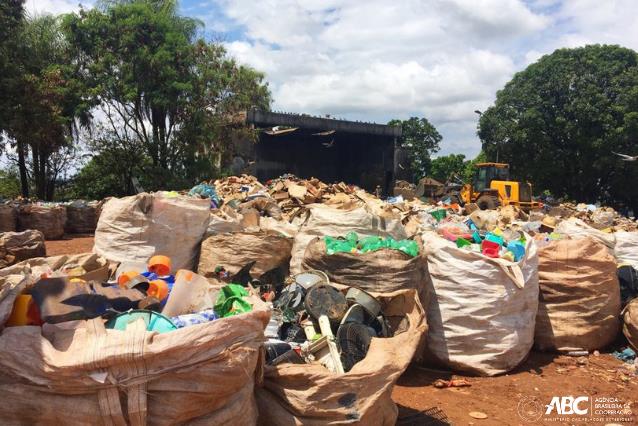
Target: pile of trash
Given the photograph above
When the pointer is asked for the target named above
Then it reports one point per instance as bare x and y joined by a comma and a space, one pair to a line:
142, 327
603, 218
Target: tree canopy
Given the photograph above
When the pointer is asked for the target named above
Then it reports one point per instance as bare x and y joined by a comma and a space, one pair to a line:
421, 139
558, 121
162, 89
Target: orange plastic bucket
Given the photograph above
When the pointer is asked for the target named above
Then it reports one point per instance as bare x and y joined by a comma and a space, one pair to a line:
160, 265
158, 289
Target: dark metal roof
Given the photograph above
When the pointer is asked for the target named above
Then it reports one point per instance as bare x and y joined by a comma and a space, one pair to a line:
303, 121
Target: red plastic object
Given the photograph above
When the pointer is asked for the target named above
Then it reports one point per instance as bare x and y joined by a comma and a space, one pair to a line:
160, 265
490, 248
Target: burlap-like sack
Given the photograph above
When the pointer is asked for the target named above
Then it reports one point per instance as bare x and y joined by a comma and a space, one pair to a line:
18, 246
311, 395
630, 323
577, 228
324, 221
132, 229
202, 374
579, 305
82, 217
235, 250
8, 218
626, 248
88, 266
380, 271
49, 220
482, 310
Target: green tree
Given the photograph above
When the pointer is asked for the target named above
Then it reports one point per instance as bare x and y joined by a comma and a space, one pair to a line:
421, 139
160, 87
558, 121
442, 168
48, 105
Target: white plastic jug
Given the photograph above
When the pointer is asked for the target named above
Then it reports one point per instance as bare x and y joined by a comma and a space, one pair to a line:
191, 293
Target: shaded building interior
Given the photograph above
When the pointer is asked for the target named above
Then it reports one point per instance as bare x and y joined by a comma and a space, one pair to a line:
328, 149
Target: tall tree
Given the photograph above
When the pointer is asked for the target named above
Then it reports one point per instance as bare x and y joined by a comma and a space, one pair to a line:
421, 139
444, 167
48, 106
558, 121
158, 84
11, 21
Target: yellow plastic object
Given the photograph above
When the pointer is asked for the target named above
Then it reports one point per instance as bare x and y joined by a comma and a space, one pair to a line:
20, 310
158, 289
125, 277
508, 256
160, 265
497, 231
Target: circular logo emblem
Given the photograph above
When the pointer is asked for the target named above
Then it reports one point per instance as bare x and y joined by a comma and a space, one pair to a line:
529, 409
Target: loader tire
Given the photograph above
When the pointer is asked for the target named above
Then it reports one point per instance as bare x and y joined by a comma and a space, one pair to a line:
488, 202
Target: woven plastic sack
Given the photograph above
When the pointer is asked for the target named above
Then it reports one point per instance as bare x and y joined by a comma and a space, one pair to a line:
48, 219
134, 228
482, 310
579, 304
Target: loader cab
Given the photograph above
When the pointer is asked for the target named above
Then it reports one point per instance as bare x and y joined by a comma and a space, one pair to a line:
487, 172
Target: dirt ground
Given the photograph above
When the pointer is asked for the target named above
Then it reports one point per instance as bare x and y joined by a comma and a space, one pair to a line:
528, 389
70, 244
540, 378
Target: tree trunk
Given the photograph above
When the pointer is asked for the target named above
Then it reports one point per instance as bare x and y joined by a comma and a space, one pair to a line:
22, 166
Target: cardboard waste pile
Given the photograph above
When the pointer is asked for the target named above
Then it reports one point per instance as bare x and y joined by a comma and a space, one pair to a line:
295, 301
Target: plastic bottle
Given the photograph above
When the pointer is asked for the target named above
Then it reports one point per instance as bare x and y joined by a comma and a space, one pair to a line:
191, 293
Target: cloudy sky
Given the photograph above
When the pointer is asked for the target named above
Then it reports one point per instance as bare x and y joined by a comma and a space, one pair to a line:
375, 60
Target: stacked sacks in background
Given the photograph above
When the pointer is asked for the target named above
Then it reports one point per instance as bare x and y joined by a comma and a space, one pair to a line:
132, 229
482, 309
46, 218
8, 217
82, 216
579, 296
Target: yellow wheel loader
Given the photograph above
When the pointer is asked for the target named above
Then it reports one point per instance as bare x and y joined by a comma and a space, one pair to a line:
491, 188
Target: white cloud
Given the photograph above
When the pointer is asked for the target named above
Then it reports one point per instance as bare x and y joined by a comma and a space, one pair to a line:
382, 60
378, 60
55, 7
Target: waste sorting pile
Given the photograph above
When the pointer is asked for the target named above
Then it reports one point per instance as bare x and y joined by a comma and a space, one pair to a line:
147, 333
300, 302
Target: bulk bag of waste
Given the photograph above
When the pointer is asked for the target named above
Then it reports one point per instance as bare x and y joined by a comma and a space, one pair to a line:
309, 394
46, 218
324, 220
630, 323
235, 250
482, 310
579, 305
577, 228
19, 246
382, 270
132, 229
82, 216
200, 374
8, 218
86, 266
626, 248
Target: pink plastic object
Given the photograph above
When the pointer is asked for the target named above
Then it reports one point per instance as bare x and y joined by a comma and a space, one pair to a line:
490, 249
